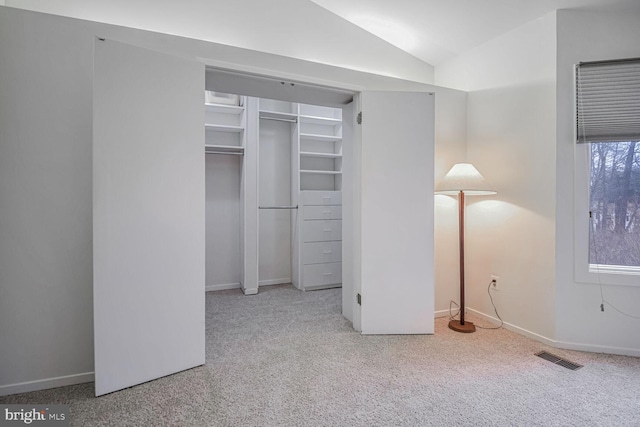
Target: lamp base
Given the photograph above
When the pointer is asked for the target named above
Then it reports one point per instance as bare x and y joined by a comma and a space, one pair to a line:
467, 328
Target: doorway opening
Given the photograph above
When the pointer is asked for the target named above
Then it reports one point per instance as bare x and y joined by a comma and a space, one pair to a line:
277, 164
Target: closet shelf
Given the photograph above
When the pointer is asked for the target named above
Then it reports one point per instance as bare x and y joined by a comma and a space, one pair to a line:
277, 115
224, 128
320, 172
321, 155
223, 148
329, 121
224, 109
324, 138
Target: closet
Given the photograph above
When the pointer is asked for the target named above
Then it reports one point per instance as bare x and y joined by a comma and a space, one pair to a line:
274, 181
150, 219
225, 141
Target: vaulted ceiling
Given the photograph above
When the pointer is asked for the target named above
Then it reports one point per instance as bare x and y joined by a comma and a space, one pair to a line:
436, 30
400, 38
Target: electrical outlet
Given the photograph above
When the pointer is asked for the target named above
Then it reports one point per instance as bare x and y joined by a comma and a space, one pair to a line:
495, 283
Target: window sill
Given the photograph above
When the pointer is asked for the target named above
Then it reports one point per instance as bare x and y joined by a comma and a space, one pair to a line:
614, 269
608, 275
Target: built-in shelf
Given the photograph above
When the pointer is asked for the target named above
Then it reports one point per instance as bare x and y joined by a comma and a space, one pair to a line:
224, 109
224, 128
223, 148
321, 172
325, 138
277, 115
321, 155
320, 120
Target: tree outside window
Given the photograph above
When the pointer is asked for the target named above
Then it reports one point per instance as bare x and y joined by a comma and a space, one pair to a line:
615, 204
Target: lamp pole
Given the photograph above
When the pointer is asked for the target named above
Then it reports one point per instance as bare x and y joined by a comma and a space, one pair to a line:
461, 249
461, 325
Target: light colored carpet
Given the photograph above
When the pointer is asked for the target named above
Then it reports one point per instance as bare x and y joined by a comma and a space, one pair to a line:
288, 358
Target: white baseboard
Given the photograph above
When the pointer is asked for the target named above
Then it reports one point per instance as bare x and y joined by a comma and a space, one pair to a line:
253, 291
321, 287
598, 348
515, 328
592, 348
222, 287
441, 313
274, 282
44, 384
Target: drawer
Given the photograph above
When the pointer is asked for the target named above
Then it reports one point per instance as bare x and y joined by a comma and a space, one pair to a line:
322, 274
321, 252
321, 230
322, 212
321, 197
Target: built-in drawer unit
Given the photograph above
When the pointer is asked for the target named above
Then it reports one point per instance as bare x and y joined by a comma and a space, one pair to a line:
321, 198
322, 212
322, 274
321, 252
320, 239
321, 230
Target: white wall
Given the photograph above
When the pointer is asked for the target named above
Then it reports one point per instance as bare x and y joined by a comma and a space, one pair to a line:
584, 36
45, 179
297, 29
274, 189
511, 140
223, 174
46, 298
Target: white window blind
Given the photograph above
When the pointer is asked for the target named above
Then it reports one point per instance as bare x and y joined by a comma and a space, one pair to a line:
608, 101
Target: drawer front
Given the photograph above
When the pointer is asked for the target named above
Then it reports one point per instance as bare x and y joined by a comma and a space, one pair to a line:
321, 197
321, 252
322, 212
322, 274
321, 230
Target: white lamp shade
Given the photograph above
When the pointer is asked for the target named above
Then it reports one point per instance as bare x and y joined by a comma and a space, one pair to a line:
463, 177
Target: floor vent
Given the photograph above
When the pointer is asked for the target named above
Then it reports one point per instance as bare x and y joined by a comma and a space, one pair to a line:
558, 360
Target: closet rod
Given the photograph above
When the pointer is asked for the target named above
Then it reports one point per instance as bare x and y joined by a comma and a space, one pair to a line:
224, 152
280, 120
278, 207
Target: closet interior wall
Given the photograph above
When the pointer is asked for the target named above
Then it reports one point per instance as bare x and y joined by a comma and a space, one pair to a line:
223, 176
278, 129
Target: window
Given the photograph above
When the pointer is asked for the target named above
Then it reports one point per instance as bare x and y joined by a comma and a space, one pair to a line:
608, 181
614, 204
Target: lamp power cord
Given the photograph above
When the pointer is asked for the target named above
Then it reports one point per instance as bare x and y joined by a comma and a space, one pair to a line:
494, 309
453, 316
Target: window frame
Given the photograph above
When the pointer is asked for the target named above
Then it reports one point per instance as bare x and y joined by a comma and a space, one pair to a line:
584, 271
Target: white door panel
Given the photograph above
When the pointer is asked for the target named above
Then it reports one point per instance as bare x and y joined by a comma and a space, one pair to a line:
396, 213
148, 215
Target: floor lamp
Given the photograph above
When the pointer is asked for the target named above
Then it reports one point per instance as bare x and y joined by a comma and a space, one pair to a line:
463, 179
